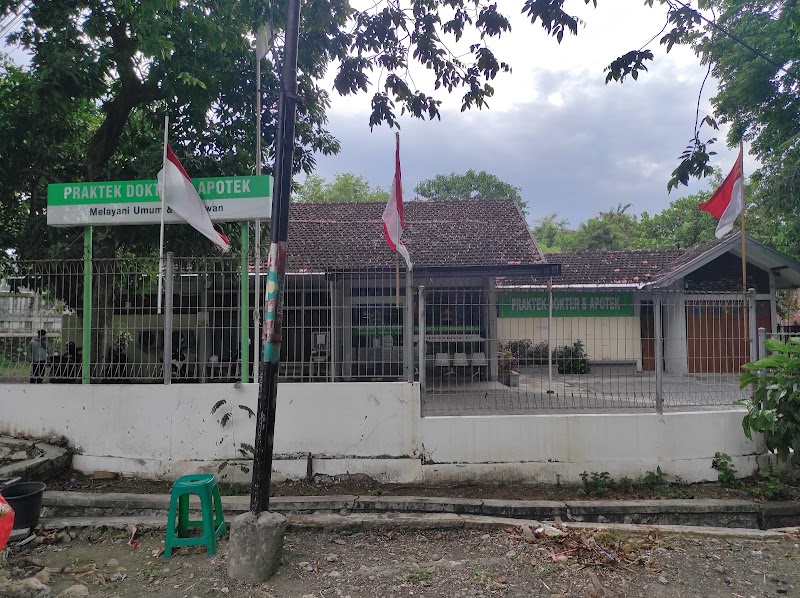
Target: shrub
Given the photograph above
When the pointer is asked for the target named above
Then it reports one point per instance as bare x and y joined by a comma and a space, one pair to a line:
572, 359
727, 472
774, 409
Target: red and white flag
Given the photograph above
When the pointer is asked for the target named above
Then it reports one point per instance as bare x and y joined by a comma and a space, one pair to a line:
728, 201
181, 196
393, 217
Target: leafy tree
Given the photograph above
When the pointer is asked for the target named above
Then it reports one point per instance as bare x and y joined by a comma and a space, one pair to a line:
612, 230
679, 226
470, 185
549, 232
752, 51
345, 187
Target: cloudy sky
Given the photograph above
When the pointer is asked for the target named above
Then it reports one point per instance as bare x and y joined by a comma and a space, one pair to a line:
571, 143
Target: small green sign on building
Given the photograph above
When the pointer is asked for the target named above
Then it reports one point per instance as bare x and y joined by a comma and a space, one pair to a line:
566, 304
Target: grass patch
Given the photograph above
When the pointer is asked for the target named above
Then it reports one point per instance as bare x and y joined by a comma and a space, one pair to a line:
423, 575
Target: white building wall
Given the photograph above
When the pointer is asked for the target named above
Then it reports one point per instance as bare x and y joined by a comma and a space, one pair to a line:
605, 339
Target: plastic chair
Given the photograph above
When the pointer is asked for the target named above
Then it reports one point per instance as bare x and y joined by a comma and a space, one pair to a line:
460, 362
204, 485
442, 361
478, 362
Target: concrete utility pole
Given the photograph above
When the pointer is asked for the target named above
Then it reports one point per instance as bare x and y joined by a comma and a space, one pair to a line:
257, 537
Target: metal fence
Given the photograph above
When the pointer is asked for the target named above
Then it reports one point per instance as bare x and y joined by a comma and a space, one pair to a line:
473, 347
593, 350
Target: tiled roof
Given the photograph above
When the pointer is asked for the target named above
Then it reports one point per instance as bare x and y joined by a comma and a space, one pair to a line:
613, 267
437, 233
692, 253
632, 268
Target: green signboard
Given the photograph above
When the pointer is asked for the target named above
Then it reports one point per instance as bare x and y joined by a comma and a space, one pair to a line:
566, 304
227, 199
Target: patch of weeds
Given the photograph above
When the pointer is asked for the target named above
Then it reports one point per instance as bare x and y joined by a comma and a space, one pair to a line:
726, 471
611, 537
80, 561
152, 570
374, 491
234, 489
596, 483
625, 484
479, 574
771, 486
421, 576
653, 479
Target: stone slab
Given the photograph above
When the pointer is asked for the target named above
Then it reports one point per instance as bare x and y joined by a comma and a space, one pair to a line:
255, 546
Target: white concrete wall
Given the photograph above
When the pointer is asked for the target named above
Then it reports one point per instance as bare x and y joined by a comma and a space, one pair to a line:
613, 339
372, 428
163, 431
546, 448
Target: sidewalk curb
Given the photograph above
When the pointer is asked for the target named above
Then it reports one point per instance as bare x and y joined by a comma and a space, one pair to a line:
701, 512
426, 521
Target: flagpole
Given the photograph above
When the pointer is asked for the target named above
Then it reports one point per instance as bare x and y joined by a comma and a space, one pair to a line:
162, 191
396, 253
744, 209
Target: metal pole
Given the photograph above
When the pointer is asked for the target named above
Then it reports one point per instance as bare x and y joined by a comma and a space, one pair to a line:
659, 351
169, 286
257, 245
332, 341
244, 306
268, 383
162, 190
550, 336
751, 324
408, 329
421, 341
86, 350
762, 339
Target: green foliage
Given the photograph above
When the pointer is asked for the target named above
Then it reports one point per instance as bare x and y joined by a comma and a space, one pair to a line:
596, 483
470, 185
549, 231
526, 351
506, 361
625, 484
774, 408
679, 226
345, 187
612, 230
653, 479
727, 472
572, 359
770, 485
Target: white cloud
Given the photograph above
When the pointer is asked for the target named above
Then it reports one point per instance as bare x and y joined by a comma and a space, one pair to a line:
573, 144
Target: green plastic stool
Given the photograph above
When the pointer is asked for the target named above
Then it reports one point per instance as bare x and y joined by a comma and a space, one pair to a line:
205, 486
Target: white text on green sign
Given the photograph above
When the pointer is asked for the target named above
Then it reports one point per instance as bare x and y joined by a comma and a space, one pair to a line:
227, 199
523, 304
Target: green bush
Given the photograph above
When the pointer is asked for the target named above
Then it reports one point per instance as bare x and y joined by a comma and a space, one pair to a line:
572, 359
774, 409
727, 472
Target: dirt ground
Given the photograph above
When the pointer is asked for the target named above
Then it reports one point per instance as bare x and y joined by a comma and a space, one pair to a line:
362, 485
452, 564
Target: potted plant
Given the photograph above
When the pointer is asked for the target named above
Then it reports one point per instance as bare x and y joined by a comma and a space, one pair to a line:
507, 363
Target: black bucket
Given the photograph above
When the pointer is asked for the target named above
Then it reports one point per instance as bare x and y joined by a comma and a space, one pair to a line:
26, 500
